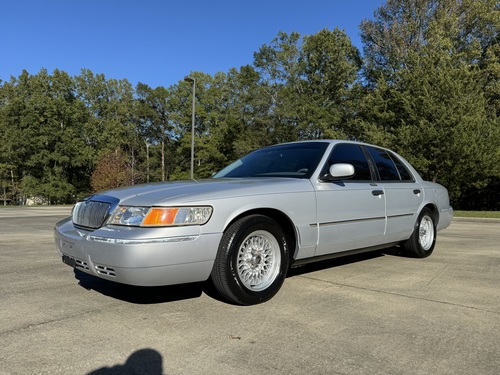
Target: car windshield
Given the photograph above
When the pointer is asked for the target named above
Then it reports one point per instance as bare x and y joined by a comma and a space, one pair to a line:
297, 160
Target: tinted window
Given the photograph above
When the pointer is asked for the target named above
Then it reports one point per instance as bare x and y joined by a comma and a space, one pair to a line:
351, 154
385, 166
298, 160
404, 173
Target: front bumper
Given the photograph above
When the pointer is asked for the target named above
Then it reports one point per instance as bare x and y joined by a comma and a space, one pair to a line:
139, 256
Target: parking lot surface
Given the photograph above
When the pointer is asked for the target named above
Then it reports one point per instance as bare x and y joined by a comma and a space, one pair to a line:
378, 313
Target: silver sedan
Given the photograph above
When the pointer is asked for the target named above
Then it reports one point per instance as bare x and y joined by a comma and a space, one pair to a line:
278, 207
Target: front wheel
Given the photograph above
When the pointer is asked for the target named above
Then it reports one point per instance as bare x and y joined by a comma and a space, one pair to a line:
423, 239
252, 261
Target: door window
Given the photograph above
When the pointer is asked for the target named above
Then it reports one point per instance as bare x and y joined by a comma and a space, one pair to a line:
404, 173
386, 168
351, 154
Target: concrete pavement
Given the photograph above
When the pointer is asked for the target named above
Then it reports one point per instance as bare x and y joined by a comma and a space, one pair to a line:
378, 313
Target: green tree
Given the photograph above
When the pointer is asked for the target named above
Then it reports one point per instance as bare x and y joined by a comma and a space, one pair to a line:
210, 102
112, 124
427, 94
248, 113
110, 104
309, 82
156, 126
280, 69
9, 159
331, 65
466, 29
40, 119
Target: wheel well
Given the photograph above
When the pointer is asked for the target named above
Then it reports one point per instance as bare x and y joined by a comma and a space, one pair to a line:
281, 219
434, 211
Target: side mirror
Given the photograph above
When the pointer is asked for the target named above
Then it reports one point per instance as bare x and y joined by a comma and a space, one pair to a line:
339, 171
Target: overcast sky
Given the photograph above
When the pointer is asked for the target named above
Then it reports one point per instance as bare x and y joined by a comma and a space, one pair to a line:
158, 42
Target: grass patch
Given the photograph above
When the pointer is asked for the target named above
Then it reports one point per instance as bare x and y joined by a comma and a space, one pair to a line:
481, 214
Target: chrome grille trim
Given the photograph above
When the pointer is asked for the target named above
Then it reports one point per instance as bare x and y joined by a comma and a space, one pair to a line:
103, 270
90, 214
81, 264
94, 211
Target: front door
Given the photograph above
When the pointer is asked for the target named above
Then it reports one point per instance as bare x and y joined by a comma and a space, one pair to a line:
351, 213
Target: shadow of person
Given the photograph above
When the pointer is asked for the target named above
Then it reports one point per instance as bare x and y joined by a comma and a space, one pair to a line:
144, 361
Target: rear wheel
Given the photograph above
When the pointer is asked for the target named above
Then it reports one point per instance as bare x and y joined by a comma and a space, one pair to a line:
423, 239
252, 261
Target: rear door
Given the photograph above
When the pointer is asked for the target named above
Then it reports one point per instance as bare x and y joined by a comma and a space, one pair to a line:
402, 194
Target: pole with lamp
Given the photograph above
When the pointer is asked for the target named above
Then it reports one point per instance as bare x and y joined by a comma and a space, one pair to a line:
193, 80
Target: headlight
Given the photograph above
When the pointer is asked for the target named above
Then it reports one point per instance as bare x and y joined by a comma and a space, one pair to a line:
129, 215
161, 216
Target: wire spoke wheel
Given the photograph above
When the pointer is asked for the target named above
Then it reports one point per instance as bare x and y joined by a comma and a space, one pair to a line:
426, 233
252, 260
258, 260
423, 239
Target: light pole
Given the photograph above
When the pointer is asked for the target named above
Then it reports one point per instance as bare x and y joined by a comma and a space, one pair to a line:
193, 80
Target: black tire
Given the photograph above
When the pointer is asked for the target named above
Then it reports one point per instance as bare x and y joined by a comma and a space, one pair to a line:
252, 261
423, 239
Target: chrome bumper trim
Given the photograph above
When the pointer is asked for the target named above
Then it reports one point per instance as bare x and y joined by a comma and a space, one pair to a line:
121, 241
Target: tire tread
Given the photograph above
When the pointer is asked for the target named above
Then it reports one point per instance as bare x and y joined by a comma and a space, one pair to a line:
225, 281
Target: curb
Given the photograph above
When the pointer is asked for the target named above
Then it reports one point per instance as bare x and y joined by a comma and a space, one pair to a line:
476, 220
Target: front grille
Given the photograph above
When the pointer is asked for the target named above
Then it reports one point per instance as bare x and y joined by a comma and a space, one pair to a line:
90, 214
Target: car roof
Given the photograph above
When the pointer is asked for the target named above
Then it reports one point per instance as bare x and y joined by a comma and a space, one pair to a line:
329, 141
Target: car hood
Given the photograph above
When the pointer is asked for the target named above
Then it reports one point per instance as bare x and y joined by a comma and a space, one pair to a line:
188, 192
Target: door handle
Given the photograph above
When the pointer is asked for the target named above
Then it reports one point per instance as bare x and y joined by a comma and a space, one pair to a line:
377, 192
416, 191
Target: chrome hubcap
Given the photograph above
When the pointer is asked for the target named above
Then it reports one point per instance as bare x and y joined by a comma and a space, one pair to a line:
258, 260
426, 233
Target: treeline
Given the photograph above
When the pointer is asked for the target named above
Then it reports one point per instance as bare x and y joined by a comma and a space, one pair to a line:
426, 85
